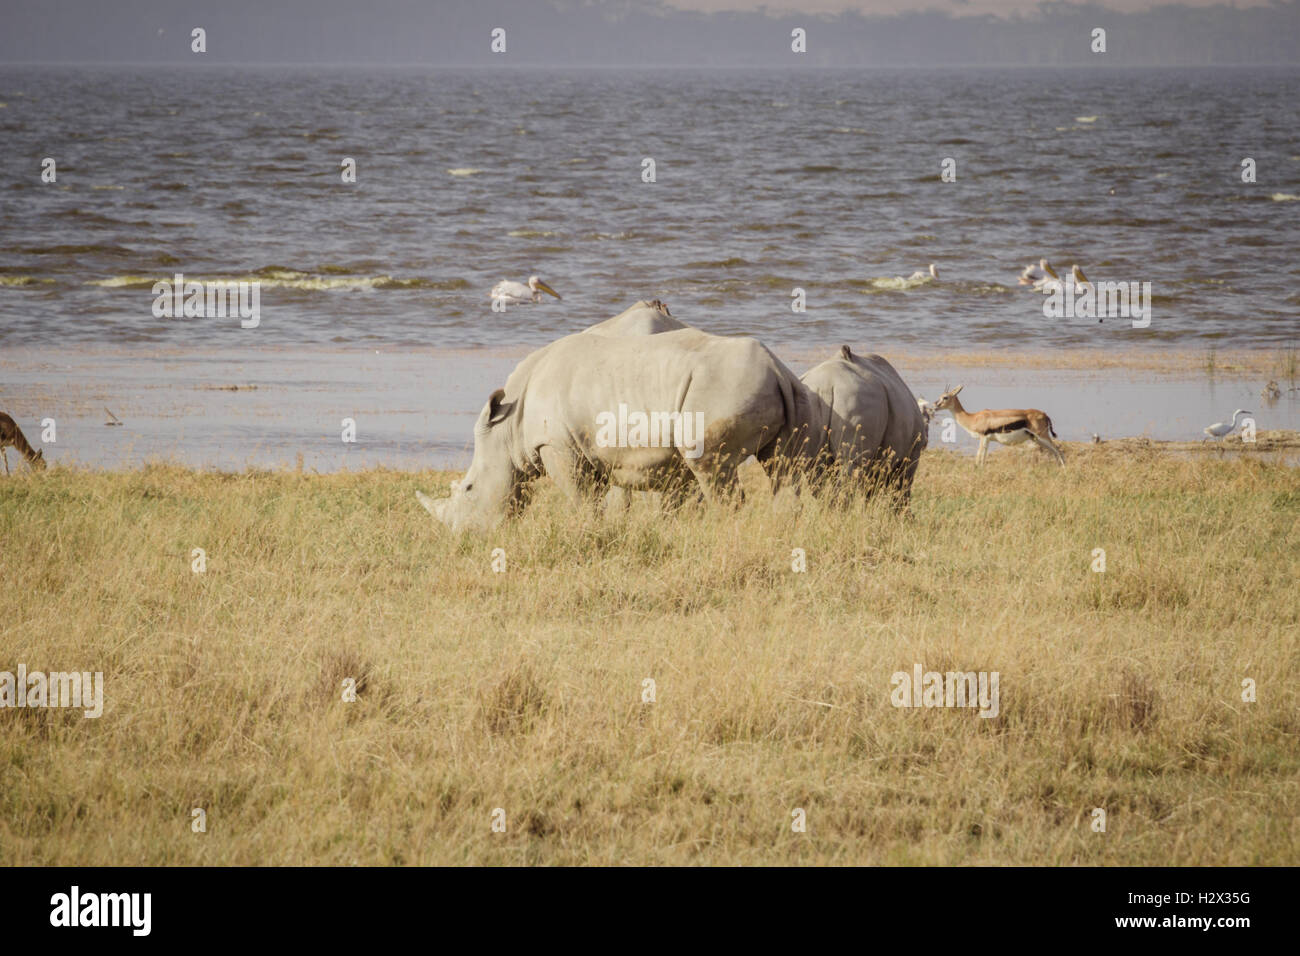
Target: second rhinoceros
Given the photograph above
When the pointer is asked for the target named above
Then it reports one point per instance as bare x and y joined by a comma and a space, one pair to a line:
867, 424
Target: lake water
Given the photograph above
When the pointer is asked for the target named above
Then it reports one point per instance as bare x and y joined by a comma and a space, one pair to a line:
374, 295
765, 181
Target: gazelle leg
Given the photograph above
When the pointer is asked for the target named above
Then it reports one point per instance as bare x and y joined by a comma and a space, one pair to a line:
984, 450
5, 456
1050, 445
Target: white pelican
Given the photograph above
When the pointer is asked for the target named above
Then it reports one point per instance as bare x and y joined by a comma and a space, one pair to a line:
516, 293
1039, 275
919, 276
1220, 429
1079, 278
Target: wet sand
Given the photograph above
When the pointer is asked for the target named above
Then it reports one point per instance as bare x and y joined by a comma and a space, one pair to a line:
265, 407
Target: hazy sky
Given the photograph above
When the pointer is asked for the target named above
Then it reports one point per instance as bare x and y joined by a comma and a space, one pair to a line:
840, 33
959, 7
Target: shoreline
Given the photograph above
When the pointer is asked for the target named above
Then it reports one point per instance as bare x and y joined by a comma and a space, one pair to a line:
1282, 444
1276, 363
415, 408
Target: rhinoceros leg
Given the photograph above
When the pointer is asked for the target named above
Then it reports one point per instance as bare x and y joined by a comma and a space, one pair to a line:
717, 478
679, 488
572, 476
781, 471
617, 500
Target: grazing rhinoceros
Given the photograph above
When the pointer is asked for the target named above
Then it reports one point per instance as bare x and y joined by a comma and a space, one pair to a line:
644, 318
652, 412
861, 419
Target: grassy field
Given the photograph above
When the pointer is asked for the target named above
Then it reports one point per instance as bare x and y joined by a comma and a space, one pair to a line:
523, 690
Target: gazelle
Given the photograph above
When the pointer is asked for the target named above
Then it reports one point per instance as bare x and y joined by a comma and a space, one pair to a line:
1008, 426
11, 434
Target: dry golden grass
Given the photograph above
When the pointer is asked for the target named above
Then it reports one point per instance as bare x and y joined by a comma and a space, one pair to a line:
523, 690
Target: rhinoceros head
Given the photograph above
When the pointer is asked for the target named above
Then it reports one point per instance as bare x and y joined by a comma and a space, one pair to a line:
490, 489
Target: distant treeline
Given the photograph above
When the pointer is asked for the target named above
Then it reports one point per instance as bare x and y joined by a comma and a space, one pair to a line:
641, 33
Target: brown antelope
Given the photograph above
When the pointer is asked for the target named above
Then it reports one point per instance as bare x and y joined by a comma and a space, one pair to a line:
11, 434
1008, 426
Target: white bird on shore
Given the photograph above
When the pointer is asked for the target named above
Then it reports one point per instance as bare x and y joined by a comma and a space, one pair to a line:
1220, 429
516, 293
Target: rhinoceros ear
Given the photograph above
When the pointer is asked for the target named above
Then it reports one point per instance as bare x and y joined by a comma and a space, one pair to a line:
845, 353
495, 410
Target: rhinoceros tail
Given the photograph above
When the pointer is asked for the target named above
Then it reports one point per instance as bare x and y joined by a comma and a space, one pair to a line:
787, 383
426, 501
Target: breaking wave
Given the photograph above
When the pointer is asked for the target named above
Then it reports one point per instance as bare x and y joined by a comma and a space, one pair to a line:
289, 279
